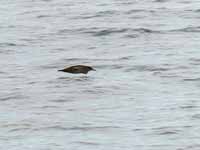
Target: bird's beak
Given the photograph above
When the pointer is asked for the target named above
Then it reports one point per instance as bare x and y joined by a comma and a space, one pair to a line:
93, 69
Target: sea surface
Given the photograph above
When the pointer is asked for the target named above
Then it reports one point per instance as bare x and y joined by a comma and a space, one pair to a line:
145, 94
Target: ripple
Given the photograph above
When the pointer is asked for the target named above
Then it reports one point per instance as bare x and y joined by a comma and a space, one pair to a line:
48, 107
194, 61
96, 32
77, 78
196, 116
192, 147
12, 97
48, 66
9, 44
91, 59
168, 132
19, 129
170, 76
148, 68
56, 127
197, 10
43, 16
188, 107
63, 100
191, 79
87, 143
161, 1
96, 128
187, 29
68, 80
7, 51
20, 124
2, 72
98, 14
133, 11
105, 32
146, 30
131, 36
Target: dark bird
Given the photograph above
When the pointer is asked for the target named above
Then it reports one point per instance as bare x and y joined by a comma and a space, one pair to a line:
78, 69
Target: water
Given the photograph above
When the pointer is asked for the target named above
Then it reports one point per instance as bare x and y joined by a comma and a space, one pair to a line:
144, 94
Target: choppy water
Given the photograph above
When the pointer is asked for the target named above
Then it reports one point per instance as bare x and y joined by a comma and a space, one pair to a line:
144, 95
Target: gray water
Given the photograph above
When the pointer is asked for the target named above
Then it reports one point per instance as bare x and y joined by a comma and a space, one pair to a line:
144, 95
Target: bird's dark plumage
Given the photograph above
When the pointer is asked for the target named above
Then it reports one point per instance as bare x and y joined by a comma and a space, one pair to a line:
77, 69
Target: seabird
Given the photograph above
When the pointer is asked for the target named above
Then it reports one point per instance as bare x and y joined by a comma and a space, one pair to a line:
78, 69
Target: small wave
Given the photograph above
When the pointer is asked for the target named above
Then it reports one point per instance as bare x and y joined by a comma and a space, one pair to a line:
127, 2
134, 33
191, 147
148, 68
78, 78
170, 76
89, 59
187, 29
48, 66
110, 59
191, 79
195, 59
19, 129
32, 82
62, 100
2, 72
96, 128
44, 0
8, 44
77, 59
59, 49
198, 10
95, 91
131, 36
78, 30
110, 12
168, 132
47, 0
145, 30
87, 143
66, 81
6, 52
138, 129
126, 58
43, 16
56, 127
20, 124
131, 32
188, 107
88, 16
47, 107
133, 11
196, 116
12, 97
160, 1
105, 32
112, 66
98, 14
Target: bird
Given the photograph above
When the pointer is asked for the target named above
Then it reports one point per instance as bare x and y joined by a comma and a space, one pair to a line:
78, 69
